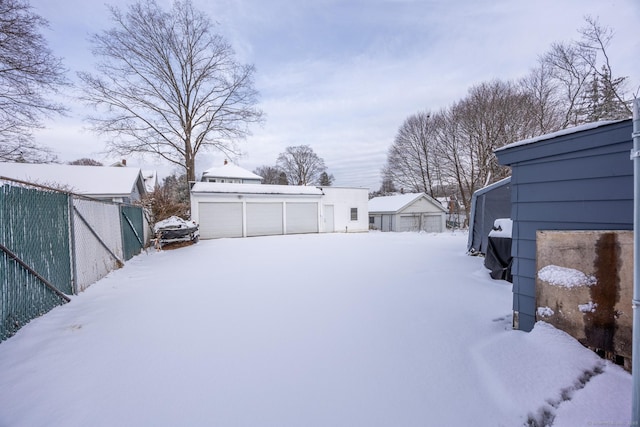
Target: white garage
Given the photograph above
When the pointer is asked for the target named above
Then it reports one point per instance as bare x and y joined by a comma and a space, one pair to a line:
245, 210
407, 212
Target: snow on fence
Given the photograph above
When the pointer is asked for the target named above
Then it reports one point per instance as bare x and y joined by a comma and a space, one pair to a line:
54, 243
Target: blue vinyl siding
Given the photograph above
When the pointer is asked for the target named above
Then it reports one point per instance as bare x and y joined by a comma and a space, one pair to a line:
579, 181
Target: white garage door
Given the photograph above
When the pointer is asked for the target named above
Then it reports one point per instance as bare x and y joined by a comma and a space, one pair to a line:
302, 218
432, 223
409, 223
264, 219
220, 220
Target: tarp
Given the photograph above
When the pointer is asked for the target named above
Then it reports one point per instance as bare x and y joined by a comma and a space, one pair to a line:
487, 205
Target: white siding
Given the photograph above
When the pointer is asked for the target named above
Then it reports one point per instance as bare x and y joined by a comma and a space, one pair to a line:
343, 200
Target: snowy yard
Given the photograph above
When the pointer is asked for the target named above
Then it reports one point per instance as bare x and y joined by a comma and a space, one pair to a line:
372, 329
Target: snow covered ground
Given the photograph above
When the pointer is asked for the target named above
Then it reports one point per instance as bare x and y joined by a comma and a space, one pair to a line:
372, 329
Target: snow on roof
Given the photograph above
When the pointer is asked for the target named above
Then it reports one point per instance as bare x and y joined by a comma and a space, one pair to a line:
229, 170
397, 202
87, 180
215, 187
492, 186
150, 178
561, 132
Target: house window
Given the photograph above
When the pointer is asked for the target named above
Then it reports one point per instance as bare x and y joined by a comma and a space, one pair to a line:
354, 214
372, 220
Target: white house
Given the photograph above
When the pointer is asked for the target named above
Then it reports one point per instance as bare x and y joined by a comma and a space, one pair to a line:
230, 174
407, 212
117, 184
244, 210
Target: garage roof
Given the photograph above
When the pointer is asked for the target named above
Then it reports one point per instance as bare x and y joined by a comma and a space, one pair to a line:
96, 181
398, 202
215, 187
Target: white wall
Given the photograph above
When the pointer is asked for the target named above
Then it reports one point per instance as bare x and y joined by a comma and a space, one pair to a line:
343, 200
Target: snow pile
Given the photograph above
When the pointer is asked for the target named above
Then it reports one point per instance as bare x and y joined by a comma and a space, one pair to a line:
589, 307
545, 312
565, 277
303, 330
501, 228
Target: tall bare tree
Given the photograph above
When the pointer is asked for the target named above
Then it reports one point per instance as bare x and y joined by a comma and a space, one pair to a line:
29, 74
301, 165
169, 86
411, 160
546, 107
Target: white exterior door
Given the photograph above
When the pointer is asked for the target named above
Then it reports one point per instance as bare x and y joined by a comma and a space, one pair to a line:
329, 224
264, 219
302, 218
220, 219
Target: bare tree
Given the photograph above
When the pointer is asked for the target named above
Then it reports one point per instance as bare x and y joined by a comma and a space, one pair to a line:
411, 160
492, 115
271, 175
167, 85
86, 162
543, 92
584, 80
29, 72
301, 165
612, 90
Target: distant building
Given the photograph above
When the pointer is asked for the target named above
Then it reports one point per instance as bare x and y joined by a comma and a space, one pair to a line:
407, 212
229, 173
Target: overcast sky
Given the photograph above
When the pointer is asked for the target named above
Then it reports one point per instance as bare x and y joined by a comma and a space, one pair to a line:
341, 76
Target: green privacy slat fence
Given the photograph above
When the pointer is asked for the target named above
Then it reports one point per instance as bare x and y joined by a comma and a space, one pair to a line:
132, 226
34, 226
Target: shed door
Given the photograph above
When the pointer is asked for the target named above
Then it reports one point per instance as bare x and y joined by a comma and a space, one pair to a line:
302, 218
220, 219
432, 223
264, 219
329, 225
409, 223
387, 222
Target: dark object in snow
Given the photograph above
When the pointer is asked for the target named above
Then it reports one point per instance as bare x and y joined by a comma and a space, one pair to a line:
175, 229
498, 258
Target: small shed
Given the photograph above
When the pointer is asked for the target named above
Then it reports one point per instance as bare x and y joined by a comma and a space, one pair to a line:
574, 179
487, 205
246, 210
407, 212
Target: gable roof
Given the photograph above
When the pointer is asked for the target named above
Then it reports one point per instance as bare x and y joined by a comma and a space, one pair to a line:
97, 181
398, 202
230, 170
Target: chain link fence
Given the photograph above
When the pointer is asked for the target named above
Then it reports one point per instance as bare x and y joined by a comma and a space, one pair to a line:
54, 243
